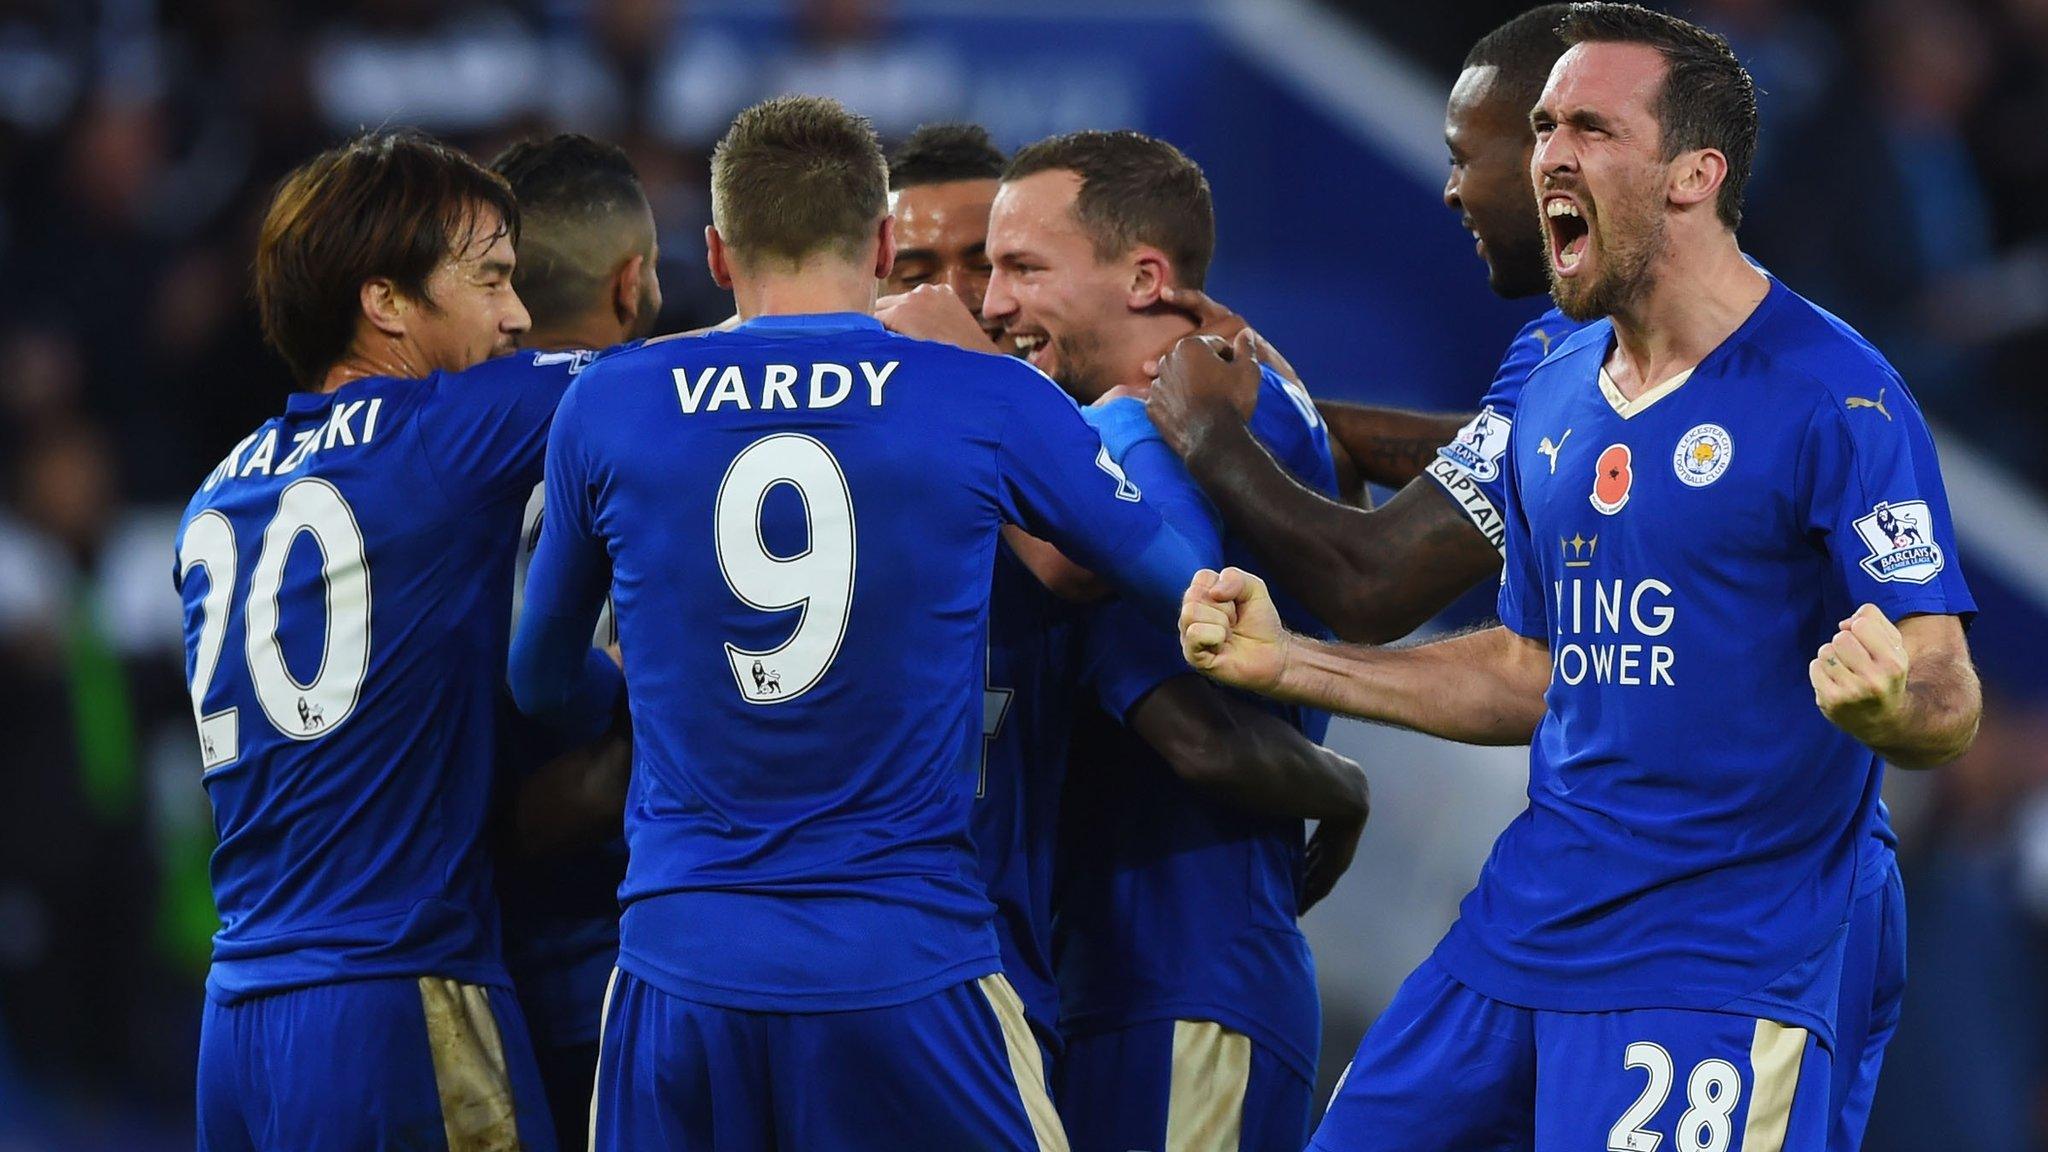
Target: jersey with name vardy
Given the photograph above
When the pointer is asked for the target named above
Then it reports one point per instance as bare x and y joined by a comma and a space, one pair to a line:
1174, 905
1694, 821
1472, 468
800, 518
346, 575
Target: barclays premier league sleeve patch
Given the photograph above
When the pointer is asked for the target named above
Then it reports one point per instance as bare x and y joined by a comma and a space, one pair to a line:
1900, 537
1480, 444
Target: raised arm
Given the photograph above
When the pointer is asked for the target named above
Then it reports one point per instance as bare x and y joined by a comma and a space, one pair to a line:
1371, 576
1483, 687
1908, 691
1389, 446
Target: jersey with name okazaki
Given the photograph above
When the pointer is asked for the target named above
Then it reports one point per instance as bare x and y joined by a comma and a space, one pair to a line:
800, 518
1694, 821
346, 575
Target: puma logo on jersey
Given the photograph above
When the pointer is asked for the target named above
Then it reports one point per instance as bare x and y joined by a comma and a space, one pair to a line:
1866, 402
1546, 448
1543, 338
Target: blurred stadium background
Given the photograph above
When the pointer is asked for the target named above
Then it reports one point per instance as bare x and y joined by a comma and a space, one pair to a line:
1903, 183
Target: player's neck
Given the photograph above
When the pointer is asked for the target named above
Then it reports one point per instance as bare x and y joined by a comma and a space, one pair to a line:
395, 359
574, 335
1147, 337
809, 291
1695, 304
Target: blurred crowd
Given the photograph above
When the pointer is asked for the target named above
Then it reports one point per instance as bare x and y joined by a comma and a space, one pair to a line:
1902, 182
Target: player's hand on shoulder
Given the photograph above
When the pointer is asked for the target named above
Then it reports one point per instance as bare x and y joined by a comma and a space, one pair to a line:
1201, 383
933, 312
1859, 676
1230, 630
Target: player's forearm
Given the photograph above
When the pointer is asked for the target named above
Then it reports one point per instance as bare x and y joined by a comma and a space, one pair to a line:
556, 677
1369, 576
1388, 446
1944, 704
1300, 535
1481, 687
575, 801
1273, 769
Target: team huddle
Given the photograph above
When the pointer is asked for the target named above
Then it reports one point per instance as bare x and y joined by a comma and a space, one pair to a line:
860, 725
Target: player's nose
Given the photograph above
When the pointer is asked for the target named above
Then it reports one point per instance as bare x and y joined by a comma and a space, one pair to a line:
516, 319
997, 300
1451, 199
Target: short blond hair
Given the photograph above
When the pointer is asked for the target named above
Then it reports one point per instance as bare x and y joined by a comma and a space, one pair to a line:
797, 175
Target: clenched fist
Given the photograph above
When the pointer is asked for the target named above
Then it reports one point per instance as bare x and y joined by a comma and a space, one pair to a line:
1859, 677
1230, 630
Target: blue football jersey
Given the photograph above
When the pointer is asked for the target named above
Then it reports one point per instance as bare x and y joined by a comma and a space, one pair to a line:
561, 911
1472, 468
1173, 905
1694, 822
346, 575
1027, 716
799, 518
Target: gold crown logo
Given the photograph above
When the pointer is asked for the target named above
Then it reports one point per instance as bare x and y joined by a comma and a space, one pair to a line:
1578, 550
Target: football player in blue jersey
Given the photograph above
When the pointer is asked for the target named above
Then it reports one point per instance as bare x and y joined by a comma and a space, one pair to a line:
942, 183
1375, 575
797, 519
1712, 651
586, 272
346, 576
1187, 991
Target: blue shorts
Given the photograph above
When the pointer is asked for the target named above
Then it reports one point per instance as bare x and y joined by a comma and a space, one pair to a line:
1181, 1084
371, 1064
1445, 1069
956, 1071
1873, 988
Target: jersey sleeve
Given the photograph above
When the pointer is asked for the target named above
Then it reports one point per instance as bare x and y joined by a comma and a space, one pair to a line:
555, 675
1136, 446
1123, 656
1472, 469
1875, 498
1058, 482
1522, 604
486, 430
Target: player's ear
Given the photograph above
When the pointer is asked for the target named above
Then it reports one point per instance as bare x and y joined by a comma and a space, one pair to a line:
717, 257
1151, 275
384, 306
626, 290
1696, 176
885, 248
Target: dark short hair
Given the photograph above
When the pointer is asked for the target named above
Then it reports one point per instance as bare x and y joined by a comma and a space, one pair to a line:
387, 204
943, 153
1522, 53
580, 197
1135, 189
797, 174
1708, 99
